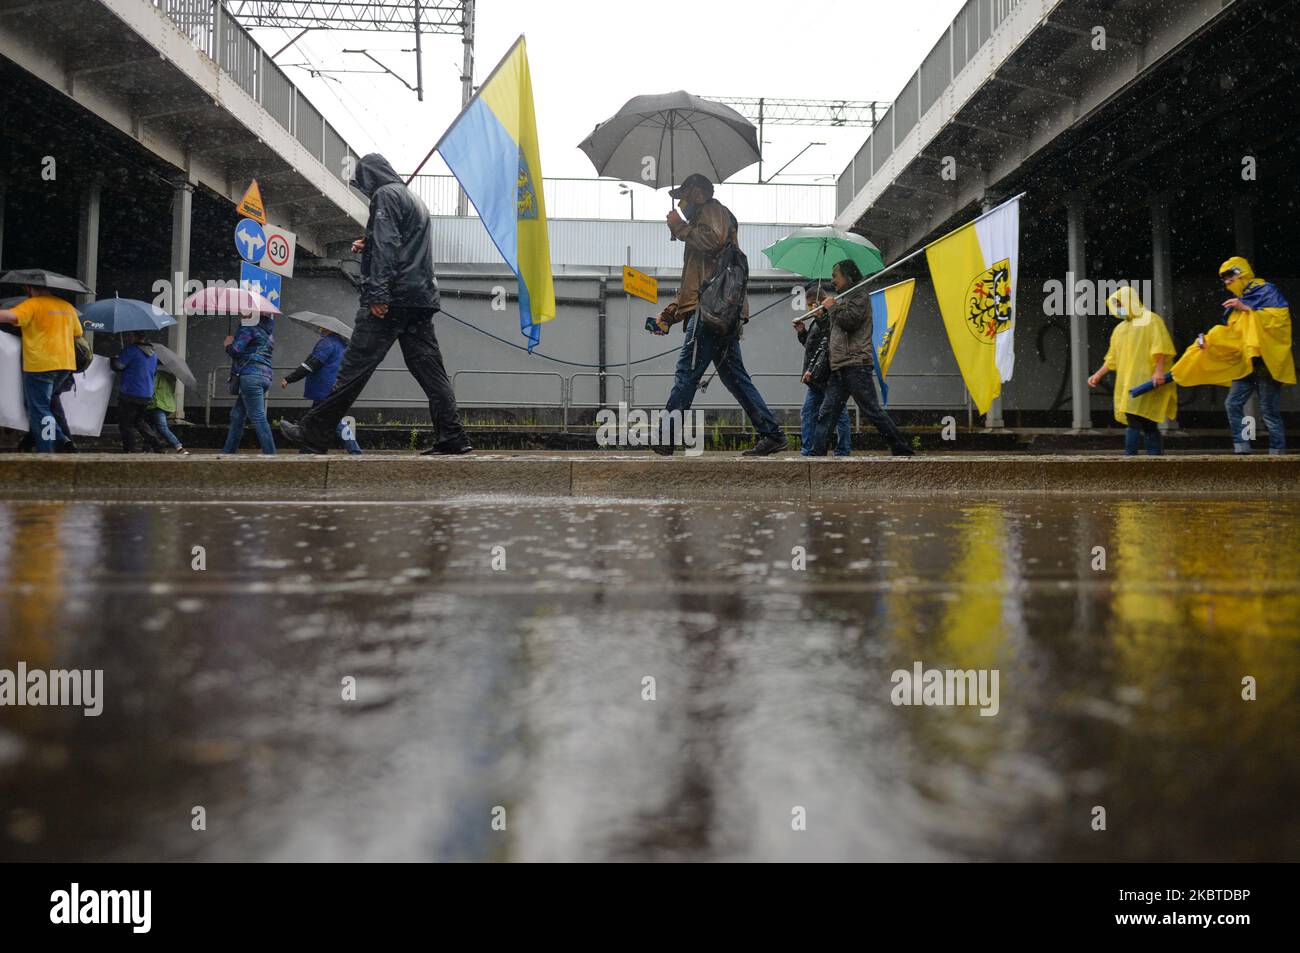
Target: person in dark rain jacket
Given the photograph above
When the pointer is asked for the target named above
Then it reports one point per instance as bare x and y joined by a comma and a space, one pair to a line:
852, 362
321, 368
399, 298
811, 329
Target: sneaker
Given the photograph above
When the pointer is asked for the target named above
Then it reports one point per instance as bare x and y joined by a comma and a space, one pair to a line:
453, 449
295, 434
663, 449
902, 452
182, 451
766, 447
66, 447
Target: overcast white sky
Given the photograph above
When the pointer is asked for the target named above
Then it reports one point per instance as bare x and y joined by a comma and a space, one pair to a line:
588, 58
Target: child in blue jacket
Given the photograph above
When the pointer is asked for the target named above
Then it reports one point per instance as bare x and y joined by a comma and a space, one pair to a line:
136, 366
321, 370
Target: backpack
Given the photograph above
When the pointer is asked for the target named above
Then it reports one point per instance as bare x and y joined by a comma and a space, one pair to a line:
722, 296
84, 355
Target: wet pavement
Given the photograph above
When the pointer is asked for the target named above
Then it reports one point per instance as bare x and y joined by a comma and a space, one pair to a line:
520, 692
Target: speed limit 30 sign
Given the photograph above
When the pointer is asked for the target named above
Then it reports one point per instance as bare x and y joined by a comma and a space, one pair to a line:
281, 245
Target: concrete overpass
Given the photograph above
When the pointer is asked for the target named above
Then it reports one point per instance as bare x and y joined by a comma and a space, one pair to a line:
1153, 139
133, 127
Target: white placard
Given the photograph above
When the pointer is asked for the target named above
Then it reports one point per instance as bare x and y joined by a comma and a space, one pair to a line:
281, 247
84, 406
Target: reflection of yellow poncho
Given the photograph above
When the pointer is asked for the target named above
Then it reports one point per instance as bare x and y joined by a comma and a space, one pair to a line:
1263, 331
1134, 344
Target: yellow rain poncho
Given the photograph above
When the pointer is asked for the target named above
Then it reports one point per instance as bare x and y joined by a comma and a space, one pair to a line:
1263, 331
1139, 337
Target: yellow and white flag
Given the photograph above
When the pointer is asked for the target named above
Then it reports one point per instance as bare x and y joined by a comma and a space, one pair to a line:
974, 275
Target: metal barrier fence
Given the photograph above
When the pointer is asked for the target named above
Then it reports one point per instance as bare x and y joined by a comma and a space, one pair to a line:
212, 30
566, 400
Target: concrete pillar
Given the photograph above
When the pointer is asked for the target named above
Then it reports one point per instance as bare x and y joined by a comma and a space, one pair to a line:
88, 239
1162, 269
1078, 267
182, 223
1243, 227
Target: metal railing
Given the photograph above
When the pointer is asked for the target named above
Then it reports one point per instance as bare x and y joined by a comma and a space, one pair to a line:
566, 401
973, 26
212, 30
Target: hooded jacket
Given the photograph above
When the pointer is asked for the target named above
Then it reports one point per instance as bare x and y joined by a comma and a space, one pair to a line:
1265, 326
136, 366
1135, 343
397, 263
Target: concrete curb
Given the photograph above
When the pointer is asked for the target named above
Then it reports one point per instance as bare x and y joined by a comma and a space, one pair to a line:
639, 476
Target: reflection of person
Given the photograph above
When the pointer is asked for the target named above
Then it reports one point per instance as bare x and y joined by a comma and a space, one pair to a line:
853, 372
399, 298
321, 368
704, 226
136, 366
48, 324
1140, 346
1264, 318
251, 351
813, 332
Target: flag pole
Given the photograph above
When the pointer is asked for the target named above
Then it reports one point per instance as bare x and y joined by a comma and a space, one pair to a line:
473, 99
907, 258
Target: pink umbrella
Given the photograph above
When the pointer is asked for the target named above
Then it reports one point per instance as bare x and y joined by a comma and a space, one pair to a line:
227, 301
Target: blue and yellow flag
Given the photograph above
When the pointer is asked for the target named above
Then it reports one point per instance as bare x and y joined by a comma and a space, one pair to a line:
889, 307
491, 148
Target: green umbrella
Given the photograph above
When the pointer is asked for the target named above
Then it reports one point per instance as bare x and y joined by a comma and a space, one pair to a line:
813, 252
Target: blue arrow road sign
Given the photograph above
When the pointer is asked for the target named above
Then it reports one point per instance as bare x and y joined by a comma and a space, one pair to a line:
259, 281
250, 240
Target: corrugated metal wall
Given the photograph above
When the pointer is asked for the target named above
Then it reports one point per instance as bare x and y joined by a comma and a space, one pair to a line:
592, 243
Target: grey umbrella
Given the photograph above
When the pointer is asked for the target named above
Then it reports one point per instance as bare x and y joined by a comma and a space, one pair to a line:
682, 133
41, 278
173, 363
313, 320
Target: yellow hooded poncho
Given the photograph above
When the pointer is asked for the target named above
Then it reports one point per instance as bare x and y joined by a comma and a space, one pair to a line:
1263, 331
1134, 344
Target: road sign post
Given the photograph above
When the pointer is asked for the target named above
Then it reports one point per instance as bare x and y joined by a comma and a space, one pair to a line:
639, 285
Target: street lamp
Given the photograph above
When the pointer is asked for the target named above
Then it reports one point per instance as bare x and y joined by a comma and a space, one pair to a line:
624, 189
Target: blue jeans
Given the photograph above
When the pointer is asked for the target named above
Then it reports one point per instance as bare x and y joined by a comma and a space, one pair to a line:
250, 405
1142, 430
1270, 407
812, 402
159, 420
39, 389
724, 354
859, 382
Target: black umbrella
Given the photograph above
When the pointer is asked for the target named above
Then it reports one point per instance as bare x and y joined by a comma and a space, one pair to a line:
681, 132
41, 278
313, 320
173, 363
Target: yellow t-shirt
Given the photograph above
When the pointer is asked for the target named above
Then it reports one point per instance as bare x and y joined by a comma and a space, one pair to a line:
49, 324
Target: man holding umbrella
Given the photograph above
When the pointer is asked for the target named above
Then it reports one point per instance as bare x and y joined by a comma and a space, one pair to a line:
49, 325
704, 226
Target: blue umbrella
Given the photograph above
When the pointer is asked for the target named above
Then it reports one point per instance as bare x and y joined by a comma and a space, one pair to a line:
116, 315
